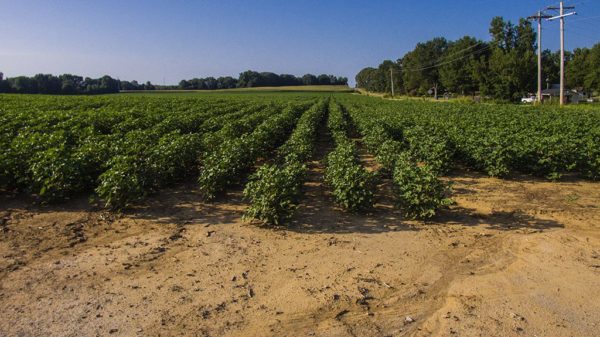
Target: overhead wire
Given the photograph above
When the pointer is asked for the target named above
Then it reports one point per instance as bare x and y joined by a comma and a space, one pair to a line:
585, 18
485, 47
581, 32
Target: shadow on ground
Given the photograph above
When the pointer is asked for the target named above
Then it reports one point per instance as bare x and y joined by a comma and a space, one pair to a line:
498, 220
317, 213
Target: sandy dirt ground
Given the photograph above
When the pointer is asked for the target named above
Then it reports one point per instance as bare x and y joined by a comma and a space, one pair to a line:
517, 257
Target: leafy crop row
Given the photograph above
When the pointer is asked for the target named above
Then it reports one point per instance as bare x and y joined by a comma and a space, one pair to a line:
151, 161
55, 153
496, 139
418, 190
275, 188
124, 147
352, 186
226, 164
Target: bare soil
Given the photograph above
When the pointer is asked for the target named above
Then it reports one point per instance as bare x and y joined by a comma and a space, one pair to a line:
516, 257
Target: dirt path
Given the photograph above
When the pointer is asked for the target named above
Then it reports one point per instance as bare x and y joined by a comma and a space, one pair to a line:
514, 257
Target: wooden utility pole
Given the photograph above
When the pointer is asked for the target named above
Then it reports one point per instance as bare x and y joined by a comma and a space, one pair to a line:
562, 16
540, 15
392, 80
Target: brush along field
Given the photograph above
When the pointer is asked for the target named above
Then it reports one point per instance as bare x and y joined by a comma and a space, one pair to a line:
296, 214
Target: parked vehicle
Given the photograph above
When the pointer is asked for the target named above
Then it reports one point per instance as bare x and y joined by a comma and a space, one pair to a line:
529, 99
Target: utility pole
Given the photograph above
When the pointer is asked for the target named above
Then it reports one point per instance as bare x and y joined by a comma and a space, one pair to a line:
562, 16
392, 79
540, 15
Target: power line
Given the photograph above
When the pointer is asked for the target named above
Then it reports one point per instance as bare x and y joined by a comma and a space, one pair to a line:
468, 48
447, 62
581, 32
586, 18
455, 53
486, 45
586, 25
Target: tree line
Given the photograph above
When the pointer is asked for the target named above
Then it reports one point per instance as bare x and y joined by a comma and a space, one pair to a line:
250, 79
503, 68
68, 84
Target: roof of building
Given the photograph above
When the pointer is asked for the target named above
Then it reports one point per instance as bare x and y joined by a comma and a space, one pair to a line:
554, 92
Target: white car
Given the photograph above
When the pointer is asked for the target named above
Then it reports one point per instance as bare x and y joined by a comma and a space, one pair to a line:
529, 99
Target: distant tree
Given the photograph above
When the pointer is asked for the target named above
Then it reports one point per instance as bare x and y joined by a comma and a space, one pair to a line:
551, 69
289, 80
133, 85
109, 84
324, 79
210, 83
378, 79
420, 66
268, 79
310, 79
364, 78
23, 85
459, 65
4, 85
248, 79
512, 61
184, 85
47, 84
149, 86
384, 77
525, 46
70, 84
592, 78
343, 80
577, 68
227, 82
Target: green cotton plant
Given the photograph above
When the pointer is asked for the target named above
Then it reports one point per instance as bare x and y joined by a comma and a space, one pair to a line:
132, 177
352, 186
124, 182
274, 192
590, 164
18, 158
419, 192
175, 156
387, 154
428, 145
63, 171
54, 173
222, 167
126, 176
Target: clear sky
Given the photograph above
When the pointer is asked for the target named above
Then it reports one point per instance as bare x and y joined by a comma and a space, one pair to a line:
169, 40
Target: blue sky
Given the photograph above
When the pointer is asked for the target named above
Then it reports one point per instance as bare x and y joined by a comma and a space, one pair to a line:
172, 40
